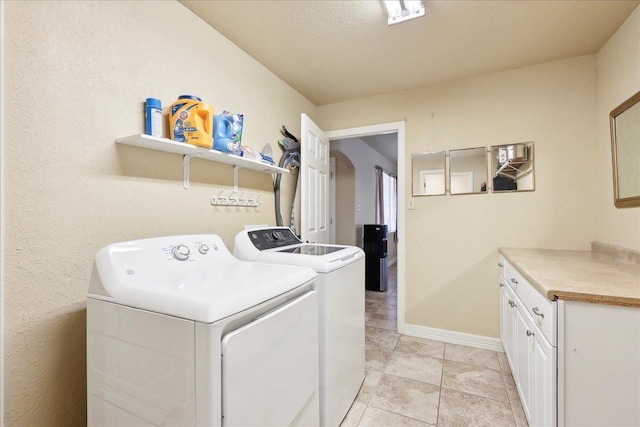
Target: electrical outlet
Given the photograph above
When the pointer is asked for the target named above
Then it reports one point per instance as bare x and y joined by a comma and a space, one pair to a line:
411, 205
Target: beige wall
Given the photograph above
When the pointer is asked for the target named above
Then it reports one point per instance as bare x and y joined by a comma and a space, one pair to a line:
76, 77
345, 220
618, 79
451, 242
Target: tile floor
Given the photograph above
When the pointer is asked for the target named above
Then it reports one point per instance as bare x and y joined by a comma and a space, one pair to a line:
418, 382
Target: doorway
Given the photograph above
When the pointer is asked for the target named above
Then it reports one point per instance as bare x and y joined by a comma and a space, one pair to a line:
395, 131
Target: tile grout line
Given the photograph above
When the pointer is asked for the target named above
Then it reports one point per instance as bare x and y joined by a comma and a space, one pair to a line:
444, 353
504, 381
368, 404
395, 349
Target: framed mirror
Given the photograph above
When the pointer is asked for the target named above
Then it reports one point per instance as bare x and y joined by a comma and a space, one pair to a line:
512, 167
625, 150
428, 174
468, 171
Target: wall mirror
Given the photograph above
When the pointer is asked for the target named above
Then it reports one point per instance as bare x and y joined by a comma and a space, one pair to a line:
468, 171
512, 167
428, 172
625, 150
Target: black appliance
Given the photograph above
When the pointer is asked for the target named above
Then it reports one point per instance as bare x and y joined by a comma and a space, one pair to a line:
375, 251
501, 183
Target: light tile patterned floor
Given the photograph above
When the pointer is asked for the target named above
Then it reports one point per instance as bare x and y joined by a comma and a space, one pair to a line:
417, 382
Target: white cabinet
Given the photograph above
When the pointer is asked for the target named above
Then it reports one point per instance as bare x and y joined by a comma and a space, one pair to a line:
599, 365
524, 355
531, 355
507, 320
543, 386
575, 362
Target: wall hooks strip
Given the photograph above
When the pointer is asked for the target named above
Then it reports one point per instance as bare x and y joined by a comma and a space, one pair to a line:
235, 198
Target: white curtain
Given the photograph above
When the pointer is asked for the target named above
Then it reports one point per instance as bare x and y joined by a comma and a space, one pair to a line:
379, 195
387, 200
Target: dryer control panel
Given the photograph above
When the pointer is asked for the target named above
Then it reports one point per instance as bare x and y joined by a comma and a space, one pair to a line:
185, 251
270, 238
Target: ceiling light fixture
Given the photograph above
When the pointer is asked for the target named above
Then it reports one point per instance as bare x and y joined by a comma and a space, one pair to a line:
403, 10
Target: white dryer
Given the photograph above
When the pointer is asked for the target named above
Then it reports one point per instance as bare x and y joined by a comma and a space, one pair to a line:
341, 289
181, 333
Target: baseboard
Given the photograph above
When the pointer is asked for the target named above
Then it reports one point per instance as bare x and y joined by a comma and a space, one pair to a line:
392, 261
452, 337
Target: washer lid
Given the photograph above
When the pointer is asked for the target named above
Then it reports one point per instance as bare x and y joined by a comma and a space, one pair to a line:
310, 249
278, 245
320, 260
192, 277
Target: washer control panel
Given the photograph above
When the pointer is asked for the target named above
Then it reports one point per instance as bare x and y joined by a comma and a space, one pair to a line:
270, 238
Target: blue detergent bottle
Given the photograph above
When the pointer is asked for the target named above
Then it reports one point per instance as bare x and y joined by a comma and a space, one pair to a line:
227, 132
153, 117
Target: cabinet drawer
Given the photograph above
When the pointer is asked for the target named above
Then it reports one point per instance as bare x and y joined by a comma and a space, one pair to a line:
543, 312
513, 276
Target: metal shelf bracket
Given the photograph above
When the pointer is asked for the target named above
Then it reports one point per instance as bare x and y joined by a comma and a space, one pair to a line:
186, 162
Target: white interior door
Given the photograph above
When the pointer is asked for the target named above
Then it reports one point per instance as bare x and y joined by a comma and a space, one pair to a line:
461, 182
432, 181
314, 183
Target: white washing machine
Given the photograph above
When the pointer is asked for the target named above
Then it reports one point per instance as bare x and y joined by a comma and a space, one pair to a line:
340, 286
181, 333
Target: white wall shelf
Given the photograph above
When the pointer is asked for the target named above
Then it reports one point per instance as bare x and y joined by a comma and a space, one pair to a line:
190, 151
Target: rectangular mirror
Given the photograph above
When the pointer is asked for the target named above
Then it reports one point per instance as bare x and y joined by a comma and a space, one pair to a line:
512, 167
468, 171
428, 172
625, 150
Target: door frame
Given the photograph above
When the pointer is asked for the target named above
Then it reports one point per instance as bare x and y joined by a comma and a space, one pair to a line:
2, 206
399, 129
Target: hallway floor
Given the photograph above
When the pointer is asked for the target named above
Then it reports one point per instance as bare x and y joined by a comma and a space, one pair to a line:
418, 382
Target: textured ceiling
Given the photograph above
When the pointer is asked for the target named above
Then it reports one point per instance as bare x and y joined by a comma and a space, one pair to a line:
332, 51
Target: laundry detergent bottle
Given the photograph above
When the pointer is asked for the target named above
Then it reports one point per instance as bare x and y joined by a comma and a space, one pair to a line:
191, 121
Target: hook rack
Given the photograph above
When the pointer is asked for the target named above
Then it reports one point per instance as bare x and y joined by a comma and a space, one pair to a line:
235, 199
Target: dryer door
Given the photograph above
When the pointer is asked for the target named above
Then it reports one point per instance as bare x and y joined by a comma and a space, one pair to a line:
270, 368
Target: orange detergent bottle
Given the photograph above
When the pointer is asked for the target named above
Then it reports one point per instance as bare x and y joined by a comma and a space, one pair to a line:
191, 121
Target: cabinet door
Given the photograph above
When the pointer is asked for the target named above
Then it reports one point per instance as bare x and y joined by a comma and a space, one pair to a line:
507, 322
523, 356
543, 387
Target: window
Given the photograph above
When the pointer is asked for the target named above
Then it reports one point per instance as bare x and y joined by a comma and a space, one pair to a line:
389, 200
